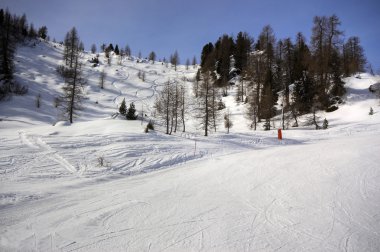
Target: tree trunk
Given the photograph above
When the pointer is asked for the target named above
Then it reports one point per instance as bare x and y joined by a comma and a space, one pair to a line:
72, 98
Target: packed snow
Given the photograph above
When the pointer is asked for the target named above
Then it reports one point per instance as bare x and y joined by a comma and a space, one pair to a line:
101, 183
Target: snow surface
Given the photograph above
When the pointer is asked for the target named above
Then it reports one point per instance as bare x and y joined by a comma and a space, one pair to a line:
245, 191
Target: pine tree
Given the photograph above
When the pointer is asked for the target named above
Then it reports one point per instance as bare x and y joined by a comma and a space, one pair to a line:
243, 47
131, 113
123, 108
110, 47
117, 52
224, 48
353, 56
93, 48
152, 56
42, 32
7, 50
32, 32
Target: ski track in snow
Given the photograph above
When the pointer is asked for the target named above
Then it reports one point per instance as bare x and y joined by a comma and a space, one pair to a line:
46, 151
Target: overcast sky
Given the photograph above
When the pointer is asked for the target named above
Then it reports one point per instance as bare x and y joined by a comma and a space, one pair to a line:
166, 25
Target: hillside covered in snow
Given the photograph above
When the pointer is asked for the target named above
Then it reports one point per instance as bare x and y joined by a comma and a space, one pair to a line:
101, 183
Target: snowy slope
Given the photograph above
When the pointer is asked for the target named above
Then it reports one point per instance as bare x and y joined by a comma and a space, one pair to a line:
246, 191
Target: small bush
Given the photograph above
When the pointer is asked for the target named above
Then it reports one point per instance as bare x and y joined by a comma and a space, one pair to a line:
101, 161
150, 125
325, 124
20, 89
221, 105
331, 108
266, 125
370, 111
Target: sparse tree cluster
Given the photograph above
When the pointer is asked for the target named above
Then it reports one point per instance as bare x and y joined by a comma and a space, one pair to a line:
170, 106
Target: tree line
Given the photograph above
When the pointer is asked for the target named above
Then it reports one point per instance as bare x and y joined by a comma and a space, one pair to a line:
307, 75
14, 30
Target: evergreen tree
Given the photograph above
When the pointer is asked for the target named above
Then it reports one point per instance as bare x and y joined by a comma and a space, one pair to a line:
7, 49
32, 32
117, 52
206, 57
123, 108
353, 57
243, 47
224, 48
42, 32
93, 48
152, 56
131, 113
110, 48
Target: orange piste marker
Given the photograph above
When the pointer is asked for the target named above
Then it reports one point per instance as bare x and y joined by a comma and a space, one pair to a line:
279, 134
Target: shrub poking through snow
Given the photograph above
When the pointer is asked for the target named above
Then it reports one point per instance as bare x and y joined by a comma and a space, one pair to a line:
370, 111
325, 124
150, 125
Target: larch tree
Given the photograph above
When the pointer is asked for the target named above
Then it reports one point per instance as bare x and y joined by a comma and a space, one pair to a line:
93, 48
127, 51
353, 56
152, 56
174, 60
74, 81
208, 100
194, 62
164, 104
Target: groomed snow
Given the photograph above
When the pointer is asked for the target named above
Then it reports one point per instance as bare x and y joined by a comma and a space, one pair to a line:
245, 191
